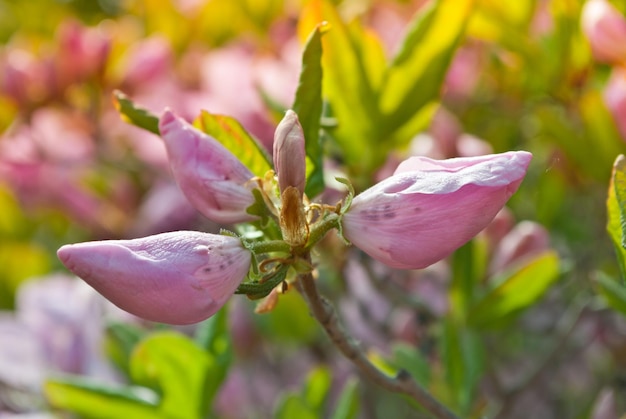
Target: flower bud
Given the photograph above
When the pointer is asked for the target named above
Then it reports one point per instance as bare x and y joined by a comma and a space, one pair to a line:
210, 176
605, 28
177, 278
429, 208
289, 153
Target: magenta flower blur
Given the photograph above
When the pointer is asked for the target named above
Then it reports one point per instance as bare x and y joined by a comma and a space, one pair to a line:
429, 208
178, 278
605, 28
211, 177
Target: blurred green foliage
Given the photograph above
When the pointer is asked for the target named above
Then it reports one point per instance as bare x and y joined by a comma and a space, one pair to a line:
529, 81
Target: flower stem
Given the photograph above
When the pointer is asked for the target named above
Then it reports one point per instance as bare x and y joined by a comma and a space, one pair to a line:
322, 227
268, 246
402, 383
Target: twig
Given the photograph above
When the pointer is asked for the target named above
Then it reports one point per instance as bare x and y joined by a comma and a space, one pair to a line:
403, 382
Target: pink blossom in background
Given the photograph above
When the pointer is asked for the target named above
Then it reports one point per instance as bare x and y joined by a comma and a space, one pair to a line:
228, 70
605, 29
429, 208
57, 327
210, 176
615, 99
147, 62
164, 208
82, 53
22, 77
526, 240
178, 278
464, 72
445, 139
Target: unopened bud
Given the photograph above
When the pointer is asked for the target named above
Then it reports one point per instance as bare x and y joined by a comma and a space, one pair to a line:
289, 153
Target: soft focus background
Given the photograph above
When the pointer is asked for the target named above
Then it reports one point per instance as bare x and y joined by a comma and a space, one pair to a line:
525, 321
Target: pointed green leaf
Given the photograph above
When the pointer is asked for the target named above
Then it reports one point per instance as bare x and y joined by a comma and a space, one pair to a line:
616, 209
308, 106
348, 404
519, 290
94, 400
232, 135
134, 114
418, 70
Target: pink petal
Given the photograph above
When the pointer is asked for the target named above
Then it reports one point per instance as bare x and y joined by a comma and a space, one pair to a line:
178, 278
211, 177
429, 208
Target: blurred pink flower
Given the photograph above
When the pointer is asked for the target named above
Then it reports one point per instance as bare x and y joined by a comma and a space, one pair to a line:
429, 208
211, 177
445, 139
22, 78
178, 278
57, 327
148, 61
464, 72
615, 99
289, 154
82, 53
605, 28
525, 240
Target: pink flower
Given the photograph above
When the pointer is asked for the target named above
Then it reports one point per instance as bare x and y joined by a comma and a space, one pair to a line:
178, 278
289, 153
210, 176
429, 208
615, 99
605, 28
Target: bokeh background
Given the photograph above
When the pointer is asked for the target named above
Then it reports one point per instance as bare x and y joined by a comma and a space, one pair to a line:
527, 320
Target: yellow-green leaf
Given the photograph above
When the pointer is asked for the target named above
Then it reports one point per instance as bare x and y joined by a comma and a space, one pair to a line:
616, 210
232, 135
93, 400
416, 73
516, 292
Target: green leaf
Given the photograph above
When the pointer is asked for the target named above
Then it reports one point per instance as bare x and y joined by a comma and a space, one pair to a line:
463, 359
294, 406
134, 114
613, 293
316, 388
289, 321
94, 400
418, 70
346, 87
517, 291
121, 339
616, 209
186, 376
232, 135
348, 404
409, 358
308, 106
19, 261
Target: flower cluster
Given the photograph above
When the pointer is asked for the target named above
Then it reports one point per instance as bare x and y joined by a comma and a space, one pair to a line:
419, 215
